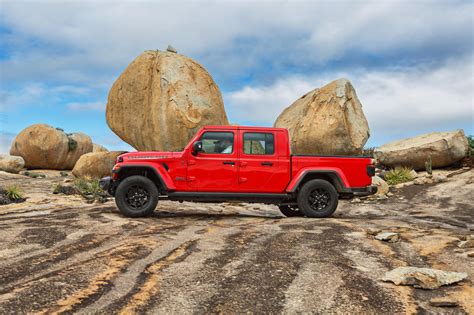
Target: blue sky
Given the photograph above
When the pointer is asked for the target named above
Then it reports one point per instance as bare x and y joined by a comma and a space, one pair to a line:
411, 62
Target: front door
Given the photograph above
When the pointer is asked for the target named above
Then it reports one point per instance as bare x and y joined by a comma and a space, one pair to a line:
215, 168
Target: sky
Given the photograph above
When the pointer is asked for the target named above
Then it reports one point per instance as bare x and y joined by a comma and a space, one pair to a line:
411, 62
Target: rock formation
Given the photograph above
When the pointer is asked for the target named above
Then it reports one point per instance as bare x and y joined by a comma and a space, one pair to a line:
444, 148
11, 164
161, 100
45, 147
98, 148
96, 164
328, 120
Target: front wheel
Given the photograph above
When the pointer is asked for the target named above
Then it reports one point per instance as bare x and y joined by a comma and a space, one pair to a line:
318, 199
290, 211
136, 196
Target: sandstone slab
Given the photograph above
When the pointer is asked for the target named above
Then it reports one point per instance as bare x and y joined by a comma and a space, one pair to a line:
444, 148
425, 278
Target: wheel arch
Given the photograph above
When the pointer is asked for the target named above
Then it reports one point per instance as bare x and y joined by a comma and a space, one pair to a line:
332, 176
148, 171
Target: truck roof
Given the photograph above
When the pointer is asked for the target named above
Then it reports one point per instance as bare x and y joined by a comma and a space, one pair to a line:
243, 127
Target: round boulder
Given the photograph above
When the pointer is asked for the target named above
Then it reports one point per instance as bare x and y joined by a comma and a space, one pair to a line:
328, 120
444, 148
11, 164
161, 100
96, 164
45, 147
98, 148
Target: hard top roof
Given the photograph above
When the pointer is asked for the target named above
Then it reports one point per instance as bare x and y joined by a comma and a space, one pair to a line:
243, 128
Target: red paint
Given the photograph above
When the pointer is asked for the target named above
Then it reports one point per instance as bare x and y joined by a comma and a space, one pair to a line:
278, 172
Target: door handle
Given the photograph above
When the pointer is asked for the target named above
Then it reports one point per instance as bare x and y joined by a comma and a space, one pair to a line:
228, 163
267, 163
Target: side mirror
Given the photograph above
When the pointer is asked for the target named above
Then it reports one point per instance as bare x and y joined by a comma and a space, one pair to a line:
197, 147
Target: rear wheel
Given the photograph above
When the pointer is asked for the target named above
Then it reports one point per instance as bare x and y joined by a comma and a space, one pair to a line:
290, 210
136, 196
318, 199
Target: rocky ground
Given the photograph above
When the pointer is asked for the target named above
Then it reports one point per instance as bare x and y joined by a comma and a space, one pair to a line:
60, 254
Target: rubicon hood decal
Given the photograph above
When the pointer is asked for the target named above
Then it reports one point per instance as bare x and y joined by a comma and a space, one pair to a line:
148, 157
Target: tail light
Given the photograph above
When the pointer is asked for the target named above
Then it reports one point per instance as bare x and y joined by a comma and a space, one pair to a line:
371, 170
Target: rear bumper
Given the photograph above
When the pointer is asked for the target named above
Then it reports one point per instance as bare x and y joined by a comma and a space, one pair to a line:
363, 191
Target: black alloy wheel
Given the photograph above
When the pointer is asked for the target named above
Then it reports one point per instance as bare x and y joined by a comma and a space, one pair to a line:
318, 199
136, 196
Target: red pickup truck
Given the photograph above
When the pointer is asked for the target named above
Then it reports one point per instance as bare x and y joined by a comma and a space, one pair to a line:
234, 163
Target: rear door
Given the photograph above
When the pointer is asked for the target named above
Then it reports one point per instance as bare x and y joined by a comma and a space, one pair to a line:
260, 169
215, 169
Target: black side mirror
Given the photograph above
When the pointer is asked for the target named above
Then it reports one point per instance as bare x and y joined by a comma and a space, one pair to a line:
197, 147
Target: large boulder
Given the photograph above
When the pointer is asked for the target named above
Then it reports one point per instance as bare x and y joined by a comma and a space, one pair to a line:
11, 164
161, 100
444, 148
328, 120
96, 164
98, 148
45, 147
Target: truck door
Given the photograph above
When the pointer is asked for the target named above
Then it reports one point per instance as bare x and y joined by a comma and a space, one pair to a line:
215, 169
260, 169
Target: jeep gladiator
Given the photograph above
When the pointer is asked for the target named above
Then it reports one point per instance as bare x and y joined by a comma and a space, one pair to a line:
234, 163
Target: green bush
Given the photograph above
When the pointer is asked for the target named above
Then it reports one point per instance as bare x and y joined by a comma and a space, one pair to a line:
71, 144
88, 187
470, 140
368, 151
399, 175
34, 175
429, 166
14, 193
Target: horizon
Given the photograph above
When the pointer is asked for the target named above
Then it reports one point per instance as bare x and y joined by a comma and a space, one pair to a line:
411, 63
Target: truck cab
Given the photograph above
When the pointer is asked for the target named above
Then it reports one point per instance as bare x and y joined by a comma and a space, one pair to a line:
235, 163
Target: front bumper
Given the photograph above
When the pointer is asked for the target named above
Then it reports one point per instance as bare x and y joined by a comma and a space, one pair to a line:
108, 184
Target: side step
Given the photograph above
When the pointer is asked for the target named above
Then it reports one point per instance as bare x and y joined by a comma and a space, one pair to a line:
224, 197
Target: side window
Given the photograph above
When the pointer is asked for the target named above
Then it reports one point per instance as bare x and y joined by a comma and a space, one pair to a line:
259, 143
217, 142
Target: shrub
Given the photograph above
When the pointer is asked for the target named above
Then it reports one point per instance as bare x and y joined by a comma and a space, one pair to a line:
89, 187
63, 174
470, 140
34, 175
399, 175
14, 193
368, 151
429, 165
71, 144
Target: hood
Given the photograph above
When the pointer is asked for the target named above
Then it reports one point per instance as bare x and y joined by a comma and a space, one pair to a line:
149, 155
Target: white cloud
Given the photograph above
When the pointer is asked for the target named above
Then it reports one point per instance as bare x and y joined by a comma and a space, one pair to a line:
75, 39
94, 106
397, 102
37, 94
6, 139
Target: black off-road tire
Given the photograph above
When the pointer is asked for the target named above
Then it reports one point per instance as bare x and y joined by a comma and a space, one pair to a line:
126, 196
317, 199
290, 211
